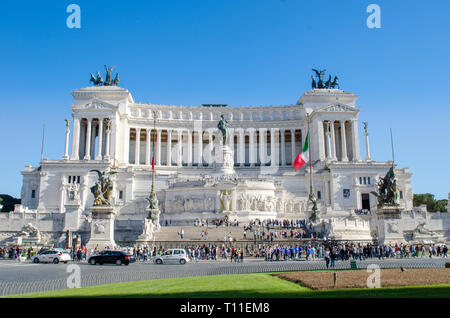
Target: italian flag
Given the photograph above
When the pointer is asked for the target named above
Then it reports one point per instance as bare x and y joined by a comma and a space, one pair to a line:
302, 157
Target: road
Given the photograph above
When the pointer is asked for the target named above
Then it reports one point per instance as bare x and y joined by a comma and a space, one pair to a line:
17, 278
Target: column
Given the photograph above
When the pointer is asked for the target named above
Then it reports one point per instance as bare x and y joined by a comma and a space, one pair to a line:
127, 141
100, 139
293, 152
137, 149
211, 146
262, 146
274, 155
169, 147
251, 147
75, 139
108, 133
158, 147
333, 141
179, 149
366, 134
87, 150
93, 130
283, 147
231, 139
328, 133
116, 150
355, 141
241, 148
148, 147
189, 148
200, 149
66, 146
343, 142
320, 140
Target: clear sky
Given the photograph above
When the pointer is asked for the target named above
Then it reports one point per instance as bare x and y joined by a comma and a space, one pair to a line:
239, 52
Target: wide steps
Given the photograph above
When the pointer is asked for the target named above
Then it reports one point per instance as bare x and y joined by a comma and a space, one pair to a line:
194, 233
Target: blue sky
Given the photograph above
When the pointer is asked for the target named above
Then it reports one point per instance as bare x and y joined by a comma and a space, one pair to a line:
238, 52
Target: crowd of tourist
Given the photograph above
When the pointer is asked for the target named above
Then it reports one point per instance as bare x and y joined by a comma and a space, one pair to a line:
329, 251
333, 251
15, 252
270, 230
257, 230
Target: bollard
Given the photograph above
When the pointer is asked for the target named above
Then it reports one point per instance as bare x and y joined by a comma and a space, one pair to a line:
335, 279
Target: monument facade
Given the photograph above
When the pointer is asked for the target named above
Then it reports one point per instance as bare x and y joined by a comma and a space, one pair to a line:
211, 162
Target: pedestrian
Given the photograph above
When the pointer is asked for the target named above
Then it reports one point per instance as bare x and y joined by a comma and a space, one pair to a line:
332, 258
327, 257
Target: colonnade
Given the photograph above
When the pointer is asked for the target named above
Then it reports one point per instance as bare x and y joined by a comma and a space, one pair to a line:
189, 147
262, 146
340, 140
91, 139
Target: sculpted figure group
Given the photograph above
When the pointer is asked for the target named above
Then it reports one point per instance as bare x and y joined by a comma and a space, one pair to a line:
102, 190
98, 81
387, 190
320, 80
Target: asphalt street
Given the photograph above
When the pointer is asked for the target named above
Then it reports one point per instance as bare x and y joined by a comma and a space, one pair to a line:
16, 278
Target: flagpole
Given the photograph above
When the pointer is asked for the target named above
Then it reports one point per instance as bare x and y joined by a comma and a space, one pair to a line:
312, 197
392, 146
153, 154
42, 145
310, 158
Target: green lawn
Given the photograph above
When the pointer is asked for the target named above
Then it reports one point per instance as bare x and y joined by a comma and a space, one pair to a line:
235, 286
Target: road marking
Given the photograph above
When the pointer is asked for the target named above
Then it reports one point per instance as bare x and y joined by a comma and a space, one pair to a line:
16, 264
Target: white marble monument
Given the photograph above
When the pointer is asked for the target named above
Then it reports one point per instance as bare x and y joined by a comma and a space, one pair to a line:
256, 173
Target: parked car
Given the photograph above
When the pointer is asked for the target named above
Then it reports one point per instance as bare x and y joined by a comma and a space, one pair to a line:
114, 257
51, 256
172, 256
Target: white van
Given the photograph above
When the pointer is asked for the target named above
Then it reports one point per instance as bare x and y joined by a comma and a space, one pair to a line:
172, 256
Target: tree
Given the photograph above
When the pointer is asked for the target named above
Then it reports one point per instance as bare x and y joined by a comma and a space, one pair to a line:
432, 204
441, 205
8, 202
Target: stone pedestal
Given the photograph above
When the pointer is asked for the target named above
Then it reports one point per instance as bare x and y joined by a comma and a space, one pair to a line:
389, 231
224, 160
150, 226
102, 228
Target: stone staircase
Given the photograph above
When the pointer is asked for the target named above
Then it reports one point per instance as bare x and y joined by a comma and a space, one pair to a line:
194, 233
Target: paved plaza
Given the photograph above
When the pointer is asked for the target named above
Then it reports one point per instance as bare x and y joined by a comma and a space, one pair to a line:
16, 278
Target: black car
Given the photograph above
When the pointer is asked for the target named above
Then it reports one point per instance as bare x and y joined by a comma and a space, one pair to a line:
113, 257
